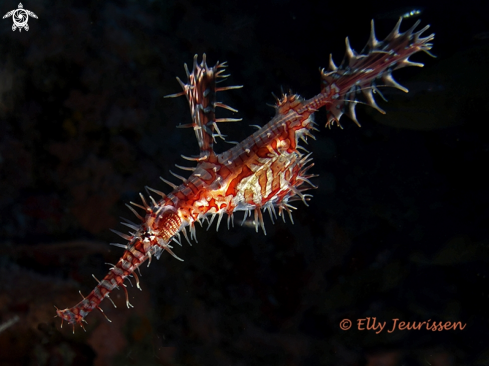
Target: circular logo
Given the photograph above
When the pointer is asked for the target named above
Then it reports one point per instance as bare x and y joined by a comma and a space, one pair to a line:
345, 324
20, 18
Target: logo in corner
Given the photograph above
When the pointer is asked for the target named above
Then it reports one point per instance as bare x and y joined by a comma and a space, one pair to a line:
20, 17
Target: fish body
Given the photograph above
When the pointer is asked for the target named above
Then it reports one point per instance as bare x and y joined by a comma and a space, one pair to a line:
265, 172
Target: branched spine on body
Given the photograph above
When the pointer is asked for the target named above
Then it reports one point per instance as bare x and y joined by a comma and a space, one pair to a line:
265, 172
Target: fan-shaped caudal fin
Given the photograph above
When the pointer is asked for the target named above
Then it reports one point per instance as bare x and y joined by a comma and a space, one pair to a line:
200, 90
369, 70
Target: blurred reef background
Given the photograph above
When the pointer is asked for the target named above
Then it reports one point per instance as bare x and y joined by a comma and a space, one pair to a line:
398, 227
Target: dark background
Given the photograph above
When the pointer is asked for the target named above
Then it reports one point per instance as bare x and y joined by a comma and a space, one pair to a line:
398, 227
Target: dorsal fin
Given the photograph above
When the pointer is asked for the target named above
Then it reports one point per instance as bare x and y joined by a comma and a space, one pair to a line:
201, 90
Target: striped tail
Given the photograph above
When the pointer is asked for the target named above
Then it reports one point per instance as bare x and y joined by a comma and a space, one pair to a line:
369, 70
